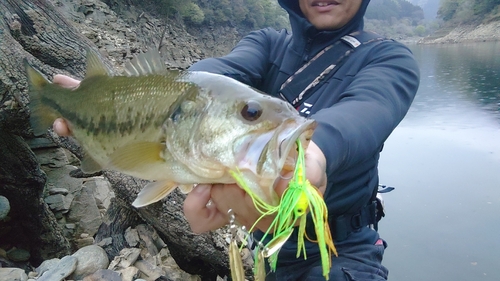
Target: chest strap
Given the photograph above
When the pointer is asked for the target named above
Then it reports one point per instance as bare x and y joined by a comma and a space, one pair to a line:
312, 74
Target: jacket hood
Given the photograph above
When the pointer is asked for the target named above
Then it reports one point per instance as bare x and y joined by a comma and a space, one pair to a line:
302, 27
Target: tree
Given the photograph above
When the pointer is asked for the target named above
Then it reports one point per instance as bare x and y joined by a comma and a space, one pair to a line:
461, 11
192, 13
485, 6
420, 30
448, 9
385, 9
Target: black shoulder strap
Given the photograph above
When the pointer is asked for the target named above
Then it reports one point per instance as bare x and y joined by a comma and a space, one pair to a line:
301, 84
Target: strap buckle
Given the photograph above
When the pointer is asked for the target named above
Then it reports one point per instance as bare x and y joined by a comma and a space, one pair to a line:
356, 221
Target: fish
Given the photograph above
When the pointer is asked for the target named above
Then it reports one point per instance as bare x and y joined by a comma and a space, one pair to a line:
174, 128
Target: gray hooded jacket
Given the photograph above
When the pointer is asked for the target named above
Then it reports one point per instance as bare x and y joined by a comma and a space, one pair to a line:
356, 109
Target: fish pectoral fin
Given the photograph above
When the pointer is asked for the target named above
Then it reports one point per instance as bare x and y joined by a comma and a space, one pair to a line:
41, 118
186, 188
137, 157
89, 165
153, 192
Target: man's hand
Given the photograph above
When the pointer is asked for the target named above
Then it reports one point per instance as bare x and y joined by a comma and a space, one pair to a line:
60, 126
206, 206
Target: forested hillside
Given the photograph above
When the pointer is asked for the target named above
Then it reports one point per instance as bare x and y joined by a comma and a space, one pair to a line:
251, 14
399, 9
454, 12
397, 19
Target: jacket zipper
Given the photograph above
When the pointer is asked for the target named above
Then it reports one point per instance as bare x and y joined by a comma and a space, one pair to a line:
307, 50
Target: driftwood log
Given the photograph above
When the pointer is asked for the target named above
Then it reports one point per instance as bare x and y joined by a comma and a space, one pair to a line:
35, 30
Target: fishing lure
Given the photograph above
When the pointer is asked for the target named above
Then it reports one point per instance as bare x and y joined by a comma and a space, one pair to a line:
299, 199
235, 263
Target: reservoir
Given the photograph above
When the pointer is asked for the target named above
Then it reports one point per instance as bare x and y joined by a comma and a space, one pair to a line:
443, 218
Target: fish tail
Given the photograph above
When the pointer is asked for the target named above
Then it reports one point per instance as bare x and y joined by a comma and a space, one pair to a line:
41, 116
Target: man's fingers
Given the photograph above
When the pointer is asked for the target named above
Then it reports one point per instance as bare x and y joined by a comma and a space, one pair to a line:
65, 81
316, 166
282, 183
61, 127
201, 215
231, 196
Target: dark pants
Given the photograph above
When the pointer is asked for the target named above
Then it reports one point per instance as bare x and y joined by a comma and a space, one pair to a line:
358, 262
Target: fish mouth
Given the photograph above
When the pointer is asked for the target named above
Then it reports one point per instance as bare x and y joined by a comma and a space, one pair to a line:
266, 154
287, 141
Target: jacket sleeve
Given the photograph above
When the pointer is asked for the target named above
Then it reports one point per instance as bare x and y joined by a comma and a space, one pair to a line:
247, 62
369, 109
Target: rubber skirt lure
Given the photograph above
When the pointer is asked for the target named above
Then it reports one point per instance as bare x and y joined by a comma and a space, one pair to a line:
299, 199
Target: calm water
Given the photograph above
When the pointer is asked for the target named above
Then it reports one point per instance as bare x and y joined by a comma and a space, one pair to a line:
443, 219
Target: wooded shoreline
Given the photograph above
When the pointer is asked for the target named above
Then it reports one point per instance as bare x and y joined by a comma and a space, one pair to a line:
464, 34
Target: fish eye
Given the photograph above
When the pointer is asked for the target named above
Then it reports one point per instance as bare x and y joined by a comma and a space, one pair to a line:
251, 111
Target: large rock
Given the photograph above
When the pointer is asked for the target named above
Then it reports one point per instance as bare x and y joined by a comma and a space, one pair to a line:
85, 213
18, 255
59, 202
4, 207
104, 275
131, 236
12, 274
127, 257
47, 265
101, 189
52, 157
129, 273
149, 271
90, 259
62, 269
171, 269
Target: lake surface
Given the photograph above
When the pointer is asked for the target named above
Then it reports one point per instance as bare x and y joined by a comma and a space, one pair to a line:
443, 219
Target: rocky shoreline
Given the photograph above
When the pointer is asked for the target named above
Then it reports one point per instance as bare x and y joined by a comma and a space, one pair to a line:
465, 34
80, 204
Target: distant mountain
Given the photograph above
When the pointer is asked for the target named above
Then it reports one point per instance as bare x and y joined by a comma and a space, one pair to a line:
430, 7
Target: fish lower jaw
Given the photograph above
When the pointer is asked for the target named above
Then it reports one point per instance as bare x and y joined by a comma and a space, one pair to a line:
270, 195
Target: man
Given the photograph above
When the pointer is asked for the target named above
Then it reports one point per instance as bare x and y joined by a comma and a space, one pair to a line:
356, 110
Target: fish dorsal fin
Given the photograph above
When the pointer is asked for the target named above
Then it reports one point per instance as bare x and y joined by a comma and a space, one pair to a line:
146, 64
153, 192
95, 67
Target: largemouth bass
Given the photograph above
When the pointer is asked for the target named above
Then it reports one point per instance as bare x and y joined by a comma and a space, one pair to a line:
172, 127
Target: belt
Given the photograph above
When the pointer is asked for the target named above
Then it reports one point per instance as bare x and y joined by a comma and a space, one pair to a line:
342, 226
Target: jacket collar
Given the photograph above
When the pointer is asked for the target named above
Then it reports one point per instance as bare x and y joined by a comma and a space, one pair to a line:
303, 30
